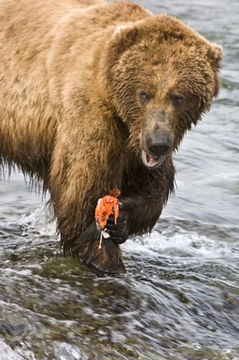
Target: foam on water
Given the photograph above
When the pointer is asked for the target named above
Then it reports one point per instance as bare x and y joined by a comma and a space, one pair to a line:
173, 240
178, 242
40, 220
65, 351
6, 352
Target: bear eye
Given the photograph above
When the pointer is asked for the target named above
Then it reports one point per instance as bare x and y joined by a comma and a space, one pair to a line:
177, 101
144, 98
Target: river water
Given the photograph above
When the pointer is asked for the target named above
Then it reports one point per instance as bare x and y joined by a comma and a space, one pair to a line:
180, 297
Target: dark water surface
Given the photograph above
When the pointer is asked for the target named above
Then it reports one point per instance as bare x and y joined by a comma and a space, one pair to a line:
180, 297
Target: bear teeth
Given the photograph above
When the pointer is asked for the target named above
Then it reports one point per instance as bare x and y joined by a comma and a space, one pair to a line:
150, 161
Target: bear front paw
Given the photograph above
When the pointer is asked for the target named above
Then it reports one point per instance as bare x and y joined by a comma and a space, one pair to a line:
106, 258
118, 232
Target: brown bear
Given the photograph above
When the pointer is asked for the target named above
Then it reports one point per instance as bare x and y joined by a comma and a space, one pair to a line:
96, 96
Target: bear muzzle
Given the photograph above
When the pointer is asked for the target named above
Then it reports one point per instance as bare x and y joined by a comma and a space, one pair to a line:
158, 145
156, 140
156, 150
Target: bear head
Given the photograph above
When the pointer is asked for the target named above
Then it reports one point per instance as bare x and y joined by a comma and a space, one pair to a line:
161, 76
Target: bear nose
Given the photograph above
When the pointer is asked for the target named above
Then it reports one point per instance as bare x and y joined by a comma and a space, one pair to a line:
158, 146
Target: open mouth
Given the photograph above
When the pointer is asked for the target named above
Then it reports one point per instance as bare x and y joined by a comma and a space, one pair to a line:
152, 162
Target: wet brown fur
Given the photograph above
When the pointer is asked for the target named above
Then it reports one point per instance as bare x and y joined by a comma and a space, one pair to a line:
70, 73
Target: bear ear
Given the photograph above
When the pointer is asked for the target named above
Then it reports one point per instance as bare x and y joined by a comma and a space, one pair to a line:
215, 57
124, 37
